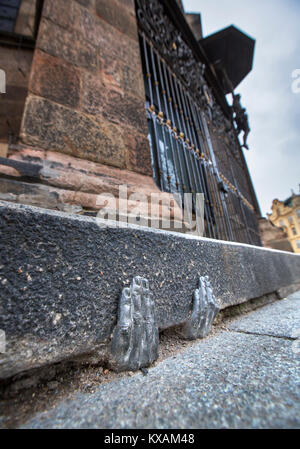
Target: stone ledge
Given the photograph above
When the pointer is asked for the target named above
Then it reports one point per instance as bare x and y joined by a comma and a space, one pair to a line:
61, 276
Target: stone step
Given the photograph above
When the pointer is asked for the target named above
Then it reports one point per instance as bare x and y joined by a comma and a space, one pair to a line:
62, 276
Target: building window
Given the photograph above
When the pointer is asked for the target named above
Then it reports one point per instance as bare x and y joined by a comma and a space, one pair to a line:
9, 10
291, 221
298, 213
282, 223
180, 110
298, 244
19, 19
294, 231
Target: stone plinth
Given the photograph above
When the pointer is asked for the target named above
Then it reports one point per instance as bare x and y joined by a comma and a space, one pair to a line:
62, 275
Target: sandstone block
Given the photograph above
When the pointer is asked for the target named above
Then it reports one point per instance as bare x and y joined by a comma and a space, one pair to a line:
118, 15
126, 109
93, 94
138, 156
61, 13
55, 127
53, 79
67, 45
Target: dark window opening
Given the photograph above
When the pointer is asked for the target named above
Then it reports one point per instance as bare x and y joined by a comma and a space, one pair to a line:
19, 21
179, 123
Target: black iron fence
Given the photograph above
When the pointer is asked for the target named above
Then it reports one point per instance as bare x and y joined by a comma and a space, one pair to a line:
179, 117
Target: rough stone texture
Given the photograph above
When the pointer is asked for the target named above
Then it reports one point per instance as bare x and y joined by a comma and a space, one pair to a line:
62, 13
93, 94
288, 290
63, 129
76, 182
132, 81
138, 156
135, 338
62, 275
281, 319
88, 60
67, 45
16, 63
204, 311
229, 381
125, 109
119, 16
55, 80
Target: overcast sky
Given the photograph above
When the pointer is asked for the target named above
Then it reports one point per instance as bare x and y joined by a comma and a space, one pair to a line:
273, 109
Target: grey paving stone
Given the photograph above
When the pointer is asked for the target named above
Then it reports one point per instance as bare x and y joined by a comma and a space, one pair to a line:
280, 319
232, 380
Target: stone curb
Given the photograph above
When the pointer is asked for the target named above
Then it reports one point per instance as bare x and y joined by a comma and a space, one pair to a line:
61, 277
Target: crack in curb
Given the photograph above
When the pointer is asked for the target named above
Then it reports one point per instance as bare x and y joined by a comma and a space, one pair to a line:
282, 337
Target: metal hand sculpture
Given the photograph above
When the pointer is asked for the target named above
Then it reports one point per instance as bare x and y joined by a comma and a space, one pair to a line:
205, 309
135, 338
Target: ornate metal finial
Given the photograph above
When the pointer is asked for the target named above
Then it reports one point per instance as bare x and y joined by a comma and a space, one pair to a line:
135, 339
205, 309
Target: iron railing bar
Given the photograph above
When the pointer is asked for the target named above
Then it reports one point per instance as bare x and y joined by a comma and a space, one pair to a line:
160, 116
191, 153
173, 136
181, 153
179, 122
216, 171
187, 155
199, 171
153, 118
240, 202
183, 128
220, 224
168, 123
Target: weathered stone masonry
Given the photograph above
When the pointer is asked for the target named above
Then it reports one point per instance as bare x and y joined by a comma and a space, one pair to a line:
86, 95
62, 276
84, 126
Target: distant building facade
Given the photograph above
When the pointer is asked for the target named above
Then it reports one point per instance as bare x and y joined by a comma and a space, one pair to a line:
274, 237
106, 93
286, 215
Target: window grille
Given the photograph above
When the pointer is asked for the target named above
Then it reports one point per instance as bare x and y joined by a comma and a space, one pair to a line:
182, 150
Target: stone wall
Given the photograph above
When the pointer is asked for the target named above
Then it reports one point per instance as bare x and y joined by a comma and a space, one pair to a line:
86, 90
16, 63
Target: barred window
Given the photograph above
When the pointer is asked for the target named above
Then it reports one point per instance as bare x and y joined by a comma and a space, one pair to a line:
19, 18
179, 105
